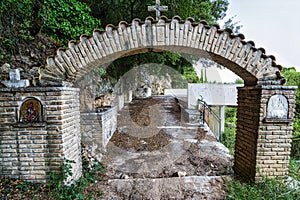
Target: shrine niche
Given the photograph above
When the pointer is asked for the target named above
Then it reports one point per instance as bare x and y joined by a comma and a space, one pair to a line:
277, 107
31, 111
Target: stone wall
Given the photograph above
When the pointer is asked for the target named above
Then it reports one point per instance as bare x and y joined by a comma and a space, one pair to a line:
97, 129
263, 144
190, 115
31, 150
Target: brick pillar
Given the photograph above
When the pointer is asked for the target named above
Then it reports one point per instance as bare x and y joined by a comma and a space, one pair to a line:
246, 132
30, 151
264, 131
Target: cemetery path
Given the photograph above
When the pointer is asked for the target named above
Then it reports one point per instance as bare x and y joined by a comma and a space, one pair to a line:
155, 155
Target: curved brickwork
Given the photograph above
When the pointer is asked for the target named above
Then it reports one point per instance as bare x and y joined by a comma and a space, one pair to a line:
197, 38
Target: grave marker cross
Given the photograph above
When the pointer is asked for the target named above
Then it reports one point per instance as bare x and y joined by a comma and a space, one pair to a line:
157, 8
15, 80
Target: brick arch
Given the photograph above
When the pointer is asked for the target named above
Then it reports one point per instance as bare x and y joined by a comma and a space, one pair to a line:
197, 38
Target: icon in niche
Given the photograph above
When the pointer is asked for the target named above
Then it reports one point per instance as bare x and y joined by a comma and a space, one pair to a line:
31, 111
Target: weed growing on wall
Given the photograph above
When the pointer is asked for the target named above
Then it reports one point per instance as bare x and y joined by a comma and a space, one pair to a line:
59, 190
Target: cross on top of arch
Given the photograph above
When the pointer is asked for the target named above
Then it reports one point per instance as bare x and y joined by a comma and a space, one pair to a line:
157, 8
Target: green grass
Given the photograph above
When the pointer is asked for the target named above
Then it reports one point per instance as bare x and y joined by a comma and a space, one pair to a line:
269, 189
228, 139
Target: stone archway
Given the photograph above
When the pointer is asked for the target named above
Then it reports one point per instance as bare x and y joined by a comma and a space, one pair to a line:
262, 142
263, 137
223, 47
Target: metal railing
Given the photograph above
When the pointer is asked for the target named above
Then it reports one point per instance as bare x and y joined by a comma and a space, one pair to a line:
210, 117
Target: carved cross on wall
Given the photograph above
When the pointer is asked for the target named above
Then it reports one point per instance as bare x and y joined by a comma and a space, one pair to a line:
157, 8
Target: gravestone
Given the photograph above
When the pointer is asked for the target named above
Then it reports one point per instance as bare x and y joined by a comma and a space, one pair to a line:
15, 80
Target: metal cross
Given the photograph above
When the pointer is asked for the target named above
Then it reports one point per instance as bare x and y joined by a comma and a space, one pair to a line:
157, 8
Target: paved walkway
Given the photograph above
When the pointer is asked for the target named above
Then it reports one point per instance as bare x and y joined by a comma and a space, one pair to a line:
184, 150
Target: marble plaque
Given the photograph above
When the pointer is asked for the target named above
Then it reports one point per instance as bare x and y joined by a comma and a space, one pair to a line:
277, 107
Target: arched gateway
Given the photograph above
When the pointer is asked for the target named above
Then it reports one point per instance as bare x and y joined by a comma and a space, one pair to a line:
265, 107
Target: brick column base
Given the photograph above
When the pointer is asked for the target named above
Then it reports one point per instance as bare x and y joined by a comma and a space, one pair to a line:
264, 131
30, 150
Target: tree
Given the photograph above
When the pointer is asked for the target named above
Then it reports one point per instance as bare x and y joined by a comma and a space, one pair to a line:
15, 26
67, 19
21, 21
114, 11
293, 79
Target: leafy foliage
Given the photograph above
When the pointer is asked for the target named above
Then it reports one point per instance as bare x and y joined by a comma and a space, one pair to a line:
294, 169
67, 19
235, 26
228, 137
293, 78
208, 10
22, 20
57, 188
127, 10
119, 67
15, 26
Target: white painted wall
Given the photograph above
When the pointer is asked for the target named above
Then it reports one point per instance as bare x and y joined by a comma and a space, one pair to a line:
213, 94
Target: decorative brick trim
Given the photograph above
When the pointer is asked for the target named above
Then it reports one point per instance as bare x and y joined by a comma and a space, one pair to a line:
197, 38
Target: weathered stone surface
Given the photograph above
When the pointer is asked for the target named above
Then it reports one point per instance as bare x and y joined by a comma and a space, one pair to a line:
15, 80
277, 107
97, 129
192, 187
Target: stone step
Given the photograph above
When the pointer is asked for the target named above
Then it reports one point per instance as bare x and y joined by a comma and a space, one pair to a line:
190, 187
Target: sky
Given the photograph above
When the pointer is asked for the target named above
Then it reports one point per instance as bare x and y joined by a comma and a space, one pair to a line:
271, 24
